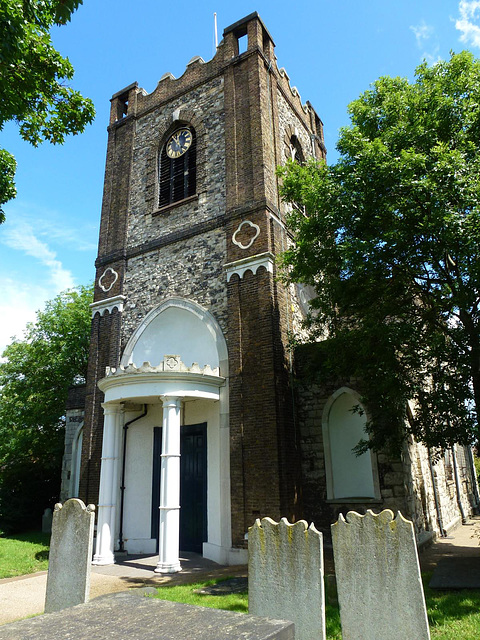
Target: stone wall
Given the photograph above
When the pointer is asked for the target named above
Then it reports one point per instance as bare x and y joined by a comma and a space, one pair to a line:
241, 107
428, 516
291, 124
405, 482
203, 108
191, 269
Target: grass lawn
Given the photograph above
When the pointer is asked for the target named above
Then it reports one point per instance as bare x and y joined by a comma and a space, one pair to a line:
23, 553
453, 615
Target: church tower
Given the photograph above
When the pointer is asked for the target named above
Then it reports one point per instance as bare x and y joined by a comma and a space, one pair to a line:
190, 430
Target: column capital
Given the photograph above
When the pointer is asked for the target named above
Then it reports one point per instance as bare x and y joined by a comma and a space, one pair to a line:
171, 401
112, 407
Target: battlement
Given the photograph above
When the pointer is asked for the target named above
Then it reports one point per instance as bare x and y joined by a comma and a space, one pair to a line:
134, 100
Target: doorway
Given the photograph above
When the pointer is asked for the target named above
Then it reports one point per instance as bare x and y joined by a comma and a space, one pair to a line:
193, 486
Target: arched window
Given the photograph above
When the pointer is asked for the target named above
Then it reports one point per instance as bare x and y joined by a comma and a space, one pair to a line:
76, 459
348, 475
295, 149
178, 166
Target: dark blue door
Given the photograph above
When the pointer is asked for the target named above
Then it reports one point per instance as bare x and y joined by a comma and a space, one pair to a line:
193, 486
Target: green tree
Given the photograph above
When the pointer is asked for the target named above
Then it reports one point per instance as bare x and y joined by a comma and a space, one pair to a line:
34, 380
34, 78
389, 237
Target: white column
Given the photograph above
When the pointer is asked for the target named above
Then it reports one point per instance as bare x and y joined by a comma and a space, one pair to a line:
109, 473
169, 532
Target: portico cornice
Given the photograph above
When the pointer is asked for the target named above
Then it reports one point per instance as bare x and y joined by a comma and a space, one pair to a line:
170, 378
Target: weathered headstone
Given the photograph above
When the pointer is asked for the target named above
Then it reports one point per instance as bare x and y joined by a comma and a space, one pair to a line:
378, 578
47, 521
68, 580
285, 575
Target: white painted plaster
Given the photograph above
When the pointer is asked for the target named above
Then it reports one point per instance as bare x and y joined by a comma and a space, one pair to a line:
181, 327
138, 480
205, 399
109, 305
109, 486
169, 550
348, 475
252, 263
148, 387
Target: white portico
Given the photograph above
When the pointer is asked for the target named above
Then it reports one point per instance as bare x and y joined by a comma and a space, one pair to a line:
174, 396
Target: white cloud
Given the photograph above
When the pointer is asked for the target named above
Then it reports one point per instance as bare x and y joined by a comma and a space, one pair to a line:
21, 237
84, 240
469, 13
423, 32
25, 286
426, 37
18, 305
52, 225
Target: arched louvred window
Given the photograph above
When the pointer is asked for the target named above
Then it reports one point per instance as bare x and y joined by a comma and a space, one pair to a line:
296, 152
178, 166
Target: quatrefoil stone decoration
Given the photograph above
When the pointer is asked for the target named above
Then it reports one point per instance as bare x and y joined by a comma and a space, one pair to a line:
107, 279
245, 237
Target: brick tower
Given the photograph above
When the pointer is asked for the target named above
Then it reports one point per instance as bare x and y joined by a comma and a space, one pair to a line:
186, 281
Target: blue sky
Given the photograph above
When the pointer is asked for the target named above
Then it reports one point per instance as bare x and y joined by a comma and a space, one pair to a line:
332, 51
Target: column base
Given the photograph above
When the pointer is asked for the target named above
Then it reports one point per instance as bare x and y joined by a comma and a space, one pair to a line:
99, 560
163, 567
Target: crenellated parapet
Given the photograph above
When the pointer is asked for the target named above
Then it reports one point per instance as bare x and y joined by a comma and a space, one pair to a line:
134, 101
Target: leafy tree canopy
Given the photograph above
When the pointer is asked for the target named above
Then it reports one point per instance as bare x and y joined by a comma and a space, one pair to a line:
35, 376
34, 78
389, 237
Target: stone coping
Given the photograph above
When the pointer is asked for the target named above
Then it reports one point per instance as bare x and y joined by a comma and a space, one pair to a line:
127, 616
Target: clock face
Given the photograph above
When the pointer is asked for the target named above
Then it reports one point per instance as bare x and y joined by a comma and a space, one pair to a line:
179, 143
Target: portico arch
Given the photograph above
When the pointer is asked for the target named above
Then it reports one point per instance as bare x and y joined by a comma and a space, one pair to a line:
177, 353
178, 326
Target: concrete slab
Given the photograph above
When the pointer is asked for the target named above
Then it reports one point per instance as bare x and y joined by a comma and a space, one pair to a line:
126, 616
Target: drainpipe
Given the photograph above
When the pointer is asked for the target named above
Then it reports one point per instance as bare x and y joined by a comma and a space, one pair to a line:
122, 487
457, 485
443, 533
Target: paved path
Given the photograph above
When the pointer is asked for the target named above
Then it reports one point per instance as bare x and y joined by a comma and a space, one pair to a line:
25, 596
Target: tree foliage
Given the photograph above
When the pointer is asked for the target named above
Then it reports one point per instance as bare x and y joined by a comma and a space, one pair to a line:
389, 237
34, 78
34, 380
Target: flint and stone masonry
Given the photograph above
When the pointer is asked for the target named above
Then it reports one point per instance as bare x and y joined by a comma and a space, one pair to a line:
215, 249
196, 276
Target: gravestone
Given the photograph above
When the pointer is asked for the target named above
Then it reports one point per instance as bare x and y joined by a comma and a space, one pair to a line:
68, 580
47, 521
285, 575
378, 578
